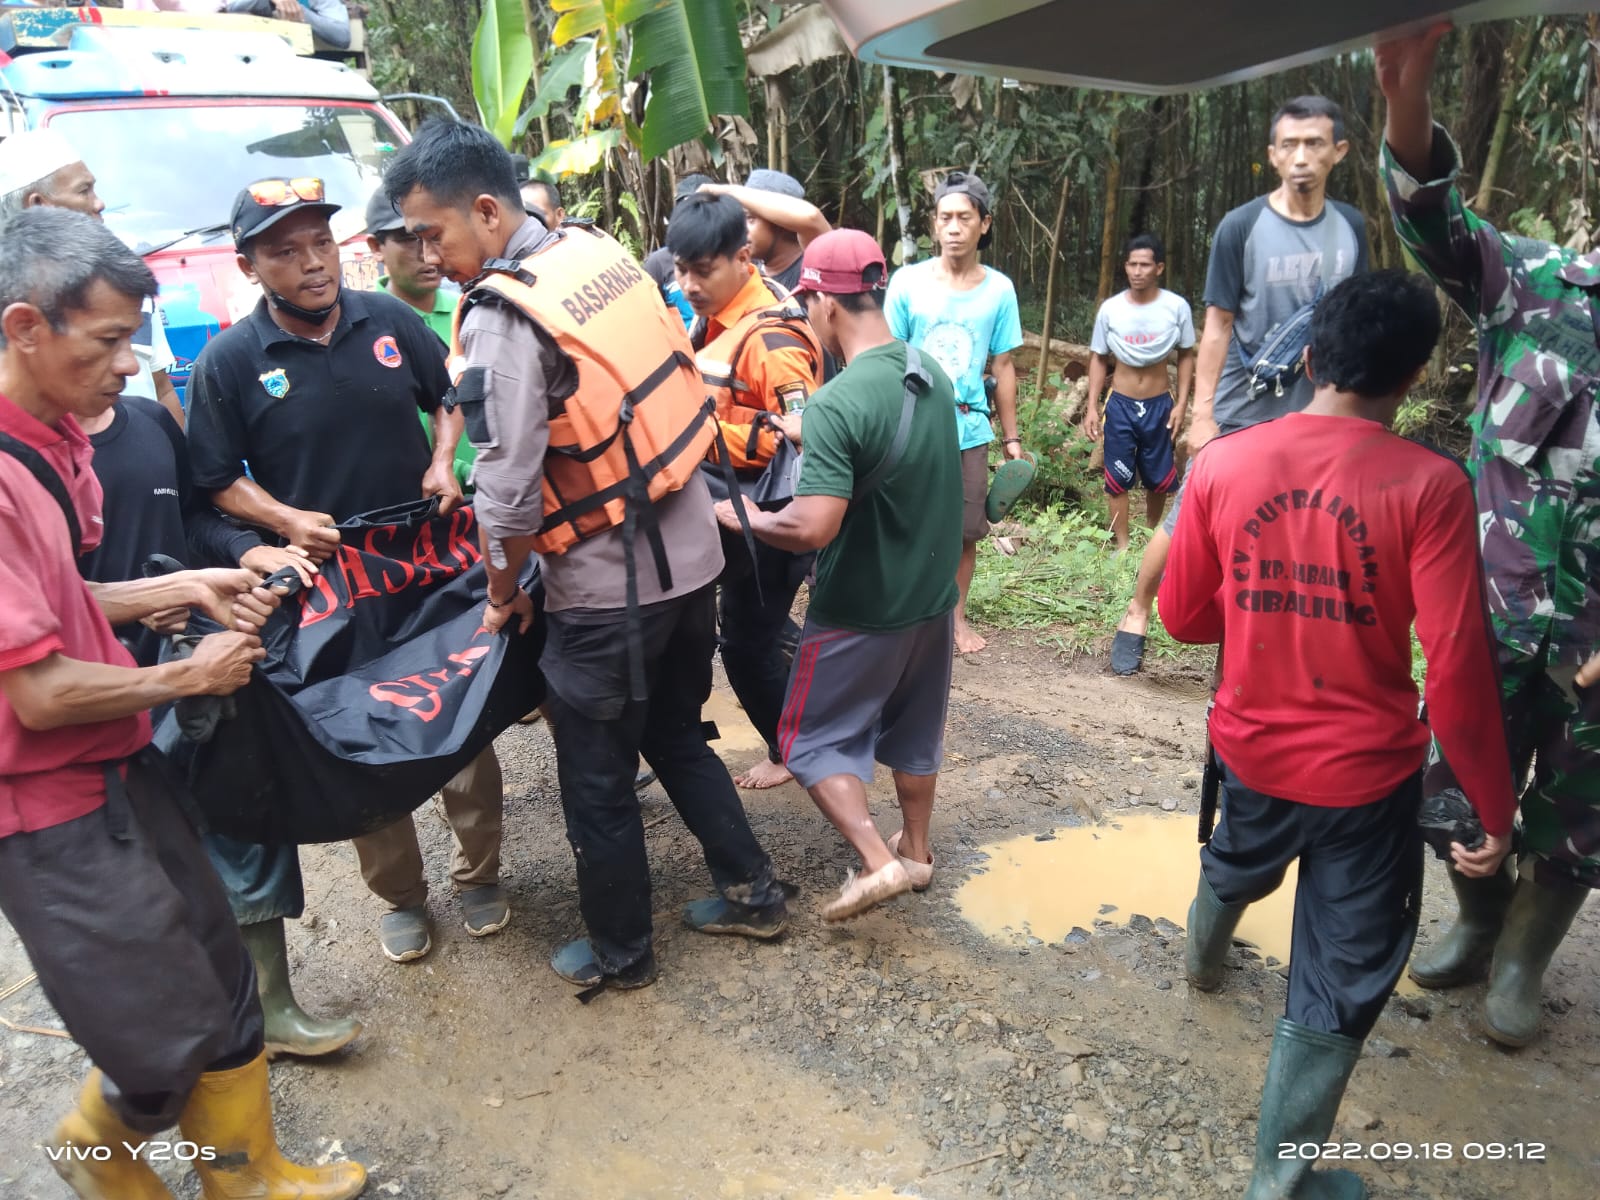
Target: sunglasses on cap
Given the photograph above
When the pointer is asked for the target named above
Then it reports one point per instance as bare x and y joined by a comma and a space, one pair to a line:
276, 193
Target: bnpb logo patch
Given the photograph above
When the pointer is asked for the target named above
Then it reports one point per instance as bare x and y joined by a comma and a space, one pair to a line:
386, 351
276, 383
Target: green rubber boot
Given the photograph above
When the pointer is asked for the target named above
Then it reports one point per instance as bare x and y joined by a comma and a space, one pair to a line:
1211, 926
1462, 954
290, 1029
1540, 915
1306, 1078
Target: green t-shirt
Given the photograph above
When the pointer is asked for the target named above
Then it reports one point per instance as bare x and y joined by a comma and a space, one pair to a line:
893, 563
442, 321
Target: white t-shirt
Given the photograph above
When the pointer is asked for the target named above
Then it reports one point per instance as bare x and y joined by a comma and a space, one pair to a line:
1143, 335
151, 349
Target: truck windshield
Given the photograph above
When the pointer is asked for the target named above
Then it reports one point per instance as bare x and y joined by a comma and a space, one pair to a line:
165, 169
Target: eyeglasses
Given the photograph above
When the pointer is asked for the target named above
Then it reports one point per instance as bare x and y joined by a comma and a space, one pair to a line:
276, 193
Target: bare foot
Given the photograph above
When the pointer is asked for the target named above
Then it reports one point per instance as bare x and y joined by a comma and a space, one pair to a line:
1134, 621
765, 774
968, 640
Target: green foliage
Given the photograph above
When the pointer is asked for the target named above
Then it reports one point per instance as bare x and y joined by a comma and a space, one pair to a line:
1058, 445
565, 72
1415, 414
686, 54
592, 208
502, 65
1531, 223
1064, 579
692, 53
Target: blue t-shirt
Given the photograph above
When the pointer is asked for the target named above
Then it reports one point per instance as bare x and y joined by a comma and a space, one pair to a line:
961, 331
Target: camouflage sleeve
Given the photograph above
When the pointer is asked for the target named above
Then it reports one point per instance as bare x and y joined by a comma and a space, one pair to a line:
1461, 252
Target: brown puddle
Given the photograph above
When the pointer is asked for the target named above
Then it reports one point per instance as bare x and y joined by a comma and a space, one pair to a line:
738, 735
1140, 864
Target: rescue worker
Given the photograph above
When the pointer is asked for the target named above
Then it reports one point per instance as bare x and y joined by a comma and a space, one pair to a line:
580, 392
1308, 547
1536, 438
317, 389
760, 361
102, 874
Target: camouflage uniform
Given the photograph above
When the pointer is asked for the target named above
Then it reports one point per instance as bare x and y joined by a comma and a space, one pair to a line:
1534, 459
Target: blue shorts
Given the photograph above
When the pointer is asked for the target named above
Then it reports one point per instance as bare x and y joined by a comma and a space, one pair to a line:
1138, 444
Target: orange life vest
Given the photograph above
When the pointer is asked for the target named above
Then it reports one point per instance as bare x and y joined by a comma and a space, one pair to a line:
719, 363
639, 423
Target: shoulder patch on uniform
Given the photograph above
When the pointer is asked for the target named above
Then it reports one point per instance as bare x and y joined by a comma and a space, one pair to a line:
793, 393
276, 383
387, 351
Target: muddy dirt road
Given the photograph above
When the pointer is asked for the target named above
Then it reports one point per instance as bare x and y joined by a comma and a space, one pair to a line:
1023, 1029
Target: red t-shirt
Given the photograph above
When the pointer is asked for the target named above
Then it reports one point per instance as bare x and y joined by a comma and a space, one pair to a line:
58, 775
1307, 546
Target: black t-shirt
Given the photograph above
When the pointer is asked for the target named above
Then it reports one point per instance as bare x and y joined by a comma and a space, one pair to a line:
150, 507
790, 275
330, 428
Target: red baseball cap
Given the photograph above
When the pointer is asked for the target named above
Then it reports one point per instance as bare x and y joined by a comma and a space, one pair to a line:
838, 262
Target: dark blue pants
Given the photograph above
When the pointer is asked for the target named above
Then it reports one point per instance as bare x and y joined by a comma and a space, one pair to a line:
263, 882
1358, 899
758, 637
600, 733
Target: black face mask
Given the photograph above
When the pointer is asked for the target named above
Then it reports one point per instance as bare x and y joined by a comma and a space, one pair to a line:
312, 316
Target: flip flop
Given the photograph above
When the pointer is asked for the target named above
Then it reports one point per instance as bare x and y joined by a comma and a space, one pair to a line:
1127, 652
1011, 479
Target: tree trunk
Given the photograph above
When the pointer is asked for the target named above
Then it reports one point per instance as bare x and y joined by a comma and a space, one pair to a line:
774, 103
1522, 57
1050, 285
1108, 226
533, 36
1169, 194
897, 166
1386, 246
783, 132
1139, 221
608, 183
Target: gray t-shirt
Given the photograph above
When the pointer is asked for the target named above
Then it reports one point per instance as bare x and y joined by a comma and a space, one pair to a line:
1143, 335
1265, 267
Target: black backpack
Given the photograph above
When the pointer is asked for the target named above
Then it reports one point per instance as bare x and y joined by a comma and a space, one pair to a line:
49, 479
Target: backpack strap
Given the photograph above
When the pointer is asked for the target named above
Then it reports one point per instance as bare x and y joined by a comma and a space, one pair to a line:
49, 479
917, 383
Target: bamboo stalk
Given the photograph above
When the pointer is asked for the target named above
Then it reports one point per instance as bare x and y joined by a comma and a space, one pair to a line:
1050, 288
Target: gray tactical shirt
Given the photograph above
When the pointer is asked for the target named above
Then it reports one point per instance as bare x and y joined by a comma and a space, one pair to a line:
524, 371
1265, 267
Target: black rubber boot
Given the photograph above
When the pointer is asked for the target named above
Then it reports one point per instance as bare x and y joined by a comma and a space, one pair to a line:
290, 1029
1540, 915
1462, 954
1306, 1078
1211, 926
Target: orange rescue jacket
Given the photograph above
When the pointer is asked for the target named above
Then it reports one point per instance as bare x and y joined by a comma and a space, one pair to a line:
639, 423
767, 358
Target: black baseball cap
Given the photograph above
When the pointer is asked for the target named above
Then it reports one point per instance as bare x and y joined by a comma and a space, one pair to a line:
964, 183
382, 216
262, 204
